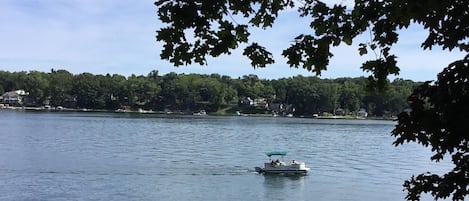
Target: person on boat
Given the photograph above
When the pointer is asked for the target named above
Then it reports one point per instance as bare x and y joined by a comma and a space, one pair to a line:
277, 162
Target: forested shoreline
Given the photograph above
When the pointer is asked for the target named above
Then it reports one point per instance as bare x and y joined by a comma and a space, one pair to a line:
194, 92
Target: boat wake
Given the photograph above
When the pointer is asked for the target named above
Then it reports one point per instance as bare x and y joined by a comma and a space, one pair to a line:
238, 170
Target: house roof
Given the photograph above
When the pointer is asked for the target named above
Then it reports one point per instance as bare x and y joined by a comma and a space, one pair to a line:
10, 94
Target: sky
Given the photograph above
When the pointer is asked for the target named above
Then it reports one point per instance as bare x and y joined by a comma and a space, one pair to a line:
118, 37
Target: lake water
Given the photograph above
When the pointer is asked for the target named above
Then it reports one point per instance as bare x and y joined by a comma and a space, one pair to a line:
107, 156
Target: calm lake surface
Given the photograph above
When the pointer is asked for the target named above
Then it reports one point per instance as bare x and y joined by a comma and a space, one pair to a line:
107, 156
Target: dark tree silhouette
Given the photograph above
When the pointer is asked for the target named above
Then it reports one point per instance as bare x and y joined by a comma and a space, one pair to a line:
439, 117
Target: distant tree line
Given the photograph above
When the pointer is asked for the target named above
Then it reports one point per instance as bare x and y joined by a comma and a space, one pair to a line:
191, 92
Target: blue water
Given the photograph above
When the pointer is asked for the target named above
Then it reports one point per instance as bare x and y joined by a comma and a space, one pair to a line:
107, 156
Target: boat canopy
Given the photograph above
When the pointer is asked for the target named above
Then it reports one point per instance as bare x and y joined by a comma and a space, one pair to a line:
276, 153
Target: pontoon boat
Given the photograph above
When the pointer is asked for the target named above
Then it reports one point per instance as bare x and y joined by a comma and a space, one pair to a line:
279, 166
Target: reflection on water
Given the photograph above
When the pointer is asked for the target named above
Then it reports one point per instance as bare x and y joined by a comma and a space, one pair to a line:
272, 181
99, 156
277, 186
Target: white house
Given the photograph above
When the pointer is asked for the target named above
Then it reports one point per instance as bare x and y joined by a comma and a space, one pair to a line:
362, 113
14, 97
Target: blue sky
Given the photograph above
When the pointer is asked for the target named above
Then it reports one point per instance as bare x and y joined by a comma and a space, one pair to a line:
118, 37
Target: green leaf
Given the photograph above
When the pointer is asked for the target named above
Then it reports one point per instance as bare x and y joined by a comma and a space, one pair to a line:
348, 39
362, 49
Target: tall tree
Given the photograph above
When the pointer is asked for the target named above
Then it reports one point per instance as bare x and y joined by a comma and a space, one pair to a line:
60, 86
36, 84
303, 95
350, 96
439, 119
6, 81
86, 86
213, 32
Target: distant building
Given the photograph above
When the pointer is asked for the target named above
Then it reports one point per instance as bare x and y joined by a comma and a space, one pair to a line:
289, 110
246, 101
14, 97
30, 101
275, 108
261, 102
339, 112
70, 102
362, 113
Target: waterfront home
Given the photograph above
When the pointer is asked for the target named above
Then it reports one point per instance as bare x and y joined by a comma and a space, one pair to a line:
362, 114
247, 101
289, 110
339, 112
70, 102
261, 102
275, 108
14, 97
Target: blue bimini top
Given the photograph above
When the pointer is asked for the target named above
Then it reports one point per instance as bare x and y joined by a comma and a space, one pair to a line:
276, 153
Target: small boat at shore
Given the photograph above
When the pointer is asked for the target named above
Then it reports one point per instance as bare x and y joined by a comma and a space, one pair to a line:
120, 110
200, 113
279, 166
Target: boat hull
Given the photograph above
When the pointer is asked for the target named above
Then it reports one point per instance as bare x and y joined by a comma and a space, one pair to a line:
279, 166
270, 168
293, 172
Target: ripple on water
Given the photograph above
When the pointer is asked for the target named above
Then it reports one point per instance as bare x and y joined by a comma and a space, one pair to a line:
72, 156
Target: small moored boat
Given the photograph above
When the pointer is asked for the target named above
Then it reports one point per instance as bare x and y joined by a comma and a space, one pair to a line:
200, 113
279, 166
